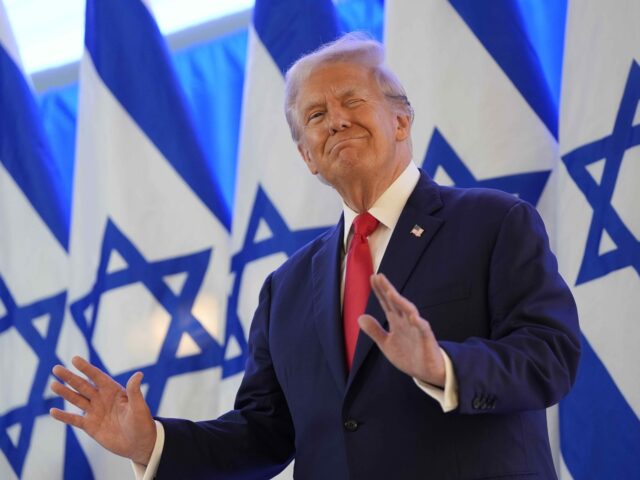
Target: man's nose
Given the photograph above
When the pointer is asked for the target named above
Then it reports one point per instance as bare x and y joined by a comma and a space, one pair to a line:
338, 119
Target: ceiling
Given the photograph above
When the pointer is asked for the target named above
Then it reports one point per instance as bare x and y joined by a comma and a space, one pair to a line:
50, 33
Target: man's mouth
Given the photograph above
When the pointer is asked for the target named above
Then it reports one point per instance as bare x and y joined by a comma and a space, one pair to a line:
343, 141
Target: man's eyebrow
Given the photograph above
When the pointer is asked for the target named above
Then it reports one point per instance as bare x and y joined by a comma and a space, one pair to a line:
342, 93
347, 92
311, 104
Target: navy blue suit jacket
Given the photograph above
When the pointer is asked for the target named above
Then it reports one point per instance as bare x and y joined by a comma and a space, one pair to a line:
482, 274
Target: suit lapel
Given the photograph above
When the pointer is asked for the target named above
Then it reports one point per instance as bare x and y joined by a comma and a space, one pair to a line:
402, 254
326, 276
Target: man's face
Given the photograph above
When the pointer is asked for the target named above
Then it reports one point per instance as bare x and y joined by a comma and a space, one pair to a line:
349, 130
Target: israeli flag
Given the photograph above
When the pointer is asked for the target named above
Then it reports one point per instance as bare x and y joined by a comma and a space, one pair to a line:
484, 81
485, 115
150, 232
34, 231
599, 232
279, 206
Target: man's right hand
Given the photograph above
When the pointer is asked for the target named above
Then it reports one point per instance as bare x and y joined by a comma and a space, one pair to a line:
117, 418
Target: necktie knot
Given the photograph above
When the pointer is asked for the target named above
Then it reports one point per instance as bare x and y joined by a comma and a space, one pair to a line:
365, 224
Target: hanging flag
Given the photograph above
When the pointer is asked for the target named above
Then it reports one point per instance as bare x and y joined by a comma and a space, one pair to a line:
599, 232
34, 231
484, 81
149, 237
485, 115
279, 206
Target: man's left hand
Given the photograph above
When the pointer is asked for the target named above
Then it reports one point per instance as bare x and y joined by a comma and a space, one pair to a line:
410, 344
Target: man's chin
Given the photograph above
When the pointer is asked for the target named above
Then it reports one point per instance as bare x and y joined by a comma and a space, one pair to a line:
323, 180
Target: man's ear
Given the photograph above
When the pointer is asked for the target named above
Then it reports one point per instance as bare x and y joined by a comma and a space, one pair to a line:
403, 128
307, 159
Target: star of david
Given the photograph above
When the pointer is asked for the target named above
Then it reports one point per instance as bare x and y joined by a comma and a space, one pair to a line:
528, 186
21, 318
605, 218
282, 240
152, 275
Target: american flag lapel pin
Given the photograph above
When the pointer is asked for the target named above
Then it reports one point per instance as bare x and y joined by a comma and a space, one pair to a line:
417, 231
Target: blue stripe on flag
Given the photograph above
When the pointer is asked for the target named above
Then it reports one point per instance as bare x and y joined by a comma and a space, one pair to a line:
545, 22
212, 75
130, 55
291, 28
362, 15
500, 27
59, 110
25, 153
599, 432
76, 464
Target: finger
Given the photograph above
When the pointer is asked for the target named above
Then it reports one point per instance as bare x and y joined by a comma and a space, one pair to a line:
371, 327
97, 376
378, 288
78, 383
426, 330
70, 396
134, 390
68, 418
415, 319
396, 306
398, 303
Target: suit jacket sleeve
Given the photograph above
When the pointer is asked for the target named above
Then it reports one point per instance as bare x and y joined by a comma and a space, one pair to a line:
530, 359
255, 440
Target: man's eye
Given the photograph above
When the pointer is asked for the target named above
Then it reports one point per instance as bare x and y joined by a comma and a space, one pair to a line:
315, 116
353, 102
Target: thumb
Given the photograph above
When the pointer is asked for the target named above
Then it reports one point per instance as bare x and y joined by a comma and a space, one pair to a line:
134, 391
371, 327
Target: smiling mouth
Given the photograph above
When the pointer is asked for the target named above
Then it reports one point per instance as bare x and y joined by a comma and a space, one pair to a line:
341, 142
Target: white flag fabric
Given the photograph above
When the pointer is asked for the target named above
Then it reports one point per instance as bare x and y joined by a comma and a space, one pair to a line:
34, 211
279, 206
150, 232
598, 235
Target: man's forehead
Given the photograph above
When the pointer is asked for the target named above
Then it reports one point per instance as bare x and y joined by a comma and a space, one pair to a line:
337, 90
339, 72
338, 80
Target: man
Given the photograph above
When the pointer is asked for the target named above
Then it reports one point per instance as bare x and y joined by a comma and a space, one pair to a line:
470, 335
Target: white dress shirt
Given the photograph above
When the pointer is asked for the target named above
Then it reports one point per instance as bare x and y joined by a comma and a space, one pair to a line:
386, 210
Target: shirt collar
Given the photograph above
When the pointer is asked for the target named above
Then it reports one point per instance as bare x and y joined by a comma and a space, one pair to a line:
388, 207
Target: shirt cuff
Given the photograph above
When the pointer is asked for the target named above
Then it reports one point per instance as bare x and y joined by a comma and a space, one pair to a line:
447, 397
148, 472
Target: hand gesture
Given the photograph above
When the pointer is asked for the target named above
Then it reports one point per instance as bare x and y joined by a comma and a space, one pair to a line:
116, 418
409, 344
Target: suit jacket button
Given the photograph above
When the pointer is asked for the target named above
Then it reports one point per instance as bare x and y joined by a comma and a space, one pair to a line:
351, 425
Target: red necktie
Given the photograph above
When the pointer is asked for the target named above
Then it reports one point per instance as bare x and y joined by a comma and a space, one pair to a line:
356, 282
